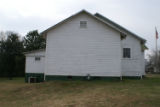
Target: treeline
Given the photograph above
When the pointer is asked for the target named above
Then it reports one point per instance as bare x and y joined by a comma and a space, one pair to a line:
12, 48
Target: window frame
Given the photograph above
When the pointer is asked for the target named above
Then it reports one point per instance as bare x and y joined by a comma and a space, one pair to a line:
37, 58
83, 24
127, 53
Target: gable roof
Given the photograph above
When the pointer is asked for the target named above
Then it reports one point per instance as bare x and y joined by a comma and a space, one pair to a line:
117, 25
100, 18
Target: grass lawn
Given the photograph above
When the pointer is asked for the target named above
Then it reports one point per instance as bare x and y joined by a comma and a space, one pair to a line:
95, 93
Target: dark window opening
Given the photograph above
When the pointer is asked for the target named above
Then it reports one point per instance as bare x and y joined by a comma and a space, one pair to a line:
37, 58
126, 53
32, 80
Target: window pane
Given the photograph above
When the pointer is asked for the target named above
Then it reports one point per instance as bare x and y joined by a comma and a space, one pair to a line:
83, 24
126, 53
37, 58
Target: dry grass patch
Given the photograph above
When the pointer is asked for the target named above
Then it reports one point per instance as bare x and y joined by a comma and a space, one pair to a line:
97, 93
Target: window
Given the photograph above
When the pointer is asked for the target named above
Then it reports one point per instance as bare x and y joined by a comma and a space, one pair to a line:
83, 24
126, 53
37, 58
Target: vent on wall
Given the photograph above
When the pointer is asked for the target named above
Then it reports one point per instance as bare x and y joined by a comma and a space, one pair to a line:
83, 24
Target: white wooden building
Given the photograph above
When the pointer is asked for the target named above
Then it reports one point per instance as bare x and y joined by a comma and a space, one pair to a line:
87, 45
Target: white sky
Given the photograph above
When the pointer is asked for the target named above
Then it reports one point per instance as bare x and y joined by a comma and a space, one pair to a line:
139, 16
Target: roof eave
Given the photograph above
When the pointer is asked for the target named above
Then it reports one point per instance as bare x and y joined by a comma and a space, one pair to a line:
114, 26
119, 26
28, 52
45, 31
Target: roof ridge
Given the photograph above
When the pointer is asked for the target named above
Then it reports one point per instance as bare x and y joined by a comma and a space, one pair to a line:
101, 18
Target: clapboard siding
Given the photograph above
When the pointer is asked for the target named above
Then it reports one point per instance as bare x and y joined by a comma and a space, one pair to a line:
71, 50
36, 53
133, 66
33, 66
96, 50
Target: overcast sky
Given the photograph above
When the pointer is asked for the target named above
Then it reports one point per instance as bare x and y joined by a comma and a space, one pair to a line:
139, 16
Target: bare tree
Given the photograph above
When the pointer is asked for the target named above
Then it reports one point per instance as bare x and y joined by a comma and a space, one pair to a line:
154, 60
2, 35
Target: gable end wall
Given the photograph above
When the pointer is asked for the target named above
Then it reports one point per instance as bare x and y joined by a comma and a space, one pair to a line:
95, 50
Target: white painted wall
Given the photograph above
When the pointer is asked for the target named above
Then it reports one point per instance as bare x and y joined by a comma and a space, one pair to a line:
72, 50
33, 66
133, 66
96, 50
